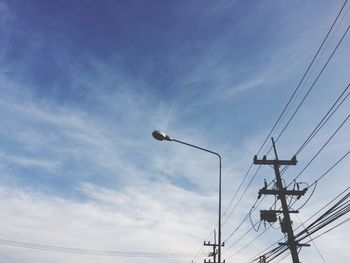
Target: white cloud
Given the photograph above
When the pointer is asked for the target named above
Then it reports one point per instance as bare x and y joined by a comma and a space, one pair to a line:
83, 147
151, 218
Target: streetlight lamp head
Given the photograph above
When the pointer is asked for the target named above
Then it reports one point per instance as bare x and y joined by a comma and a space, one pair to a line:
160, 136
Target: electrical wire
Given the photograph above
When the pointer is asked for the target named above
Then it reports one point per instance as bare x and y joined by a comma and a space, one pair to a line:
316, 247
341, 223
283, 258
322, 176
335, 106
323, 146
263, 251
307, 200
333, 213
325, 118
254, 207
242, 236
297, 109
331, 168
94, 252
239, 187
302, 79
312, 86
242, 195
240, 224
251, 242
315, 184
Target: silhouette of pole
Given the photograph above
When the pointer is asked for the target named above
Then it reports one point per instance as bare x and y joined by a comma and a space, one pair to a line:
281, 192
163, 137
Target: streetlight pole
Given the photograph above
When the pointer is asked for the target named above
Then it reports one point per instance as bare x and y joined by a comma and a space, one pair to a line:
163, 137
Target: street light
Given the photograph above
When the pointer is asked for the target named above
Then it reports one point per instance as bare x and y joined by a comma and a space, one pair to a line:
164, 137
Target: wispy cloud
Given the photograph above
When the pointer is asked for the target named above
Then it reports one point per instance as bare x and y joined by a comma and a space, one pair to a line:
79, 166
110, 220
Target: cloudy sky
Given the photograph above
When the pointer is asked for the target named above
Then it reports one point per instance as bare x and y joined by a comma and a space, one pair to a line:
84, 83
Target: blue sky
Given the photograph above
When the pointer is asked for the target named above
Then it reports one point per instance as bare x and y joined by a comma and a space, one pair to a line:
83, 85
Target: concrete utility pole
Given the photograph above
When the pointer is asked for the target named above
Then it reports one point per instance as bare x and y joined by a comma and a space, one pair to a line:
214, 253
281, 193
211, 254
262, 259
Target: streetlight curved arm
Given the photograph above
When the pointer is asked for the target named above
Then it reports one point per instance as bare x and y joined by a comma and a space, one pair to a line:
164, 137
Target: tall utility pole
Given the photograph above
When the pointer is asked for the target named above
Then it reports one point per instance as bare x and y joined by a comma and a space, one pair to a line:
281, 193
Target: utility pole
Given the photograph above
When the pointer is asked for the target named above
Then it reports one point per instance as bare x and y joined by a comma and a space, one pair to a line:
262, 259
281, 193
215, 250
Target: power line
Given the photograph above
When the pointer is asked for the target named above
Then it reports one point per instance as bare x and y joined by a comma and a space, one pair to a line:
325, 118
332, 167
323, 146
341, 223
283, 258
94, 252
294, 113
312, 62
280, 248
302, 79
254, 207
339, 209
318, 251
335, 106
288, 103
239, 225
312, 86
321, 177
297, 176
248, 244
266, 249
307, 200
242, 236
239, 188
242, 195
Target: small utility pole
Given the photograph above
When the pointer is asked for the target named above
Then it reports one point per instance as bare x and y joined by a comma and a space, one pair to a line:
262, 259
281, 193
215, 250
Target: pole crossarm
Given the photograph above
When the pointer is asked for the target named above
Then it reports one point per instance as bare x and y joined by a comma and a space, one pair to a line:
208, 244
299, 245
264, 161
209, 261
283, 191
280, 211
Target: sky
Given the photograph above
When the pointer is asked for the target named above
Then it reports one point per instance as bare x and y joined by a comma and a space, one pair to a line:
84, 83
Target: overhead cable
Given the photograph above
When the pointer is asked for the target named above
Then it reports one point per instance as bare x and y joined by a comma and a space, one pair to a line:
94, 252
302, 79
312, 86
